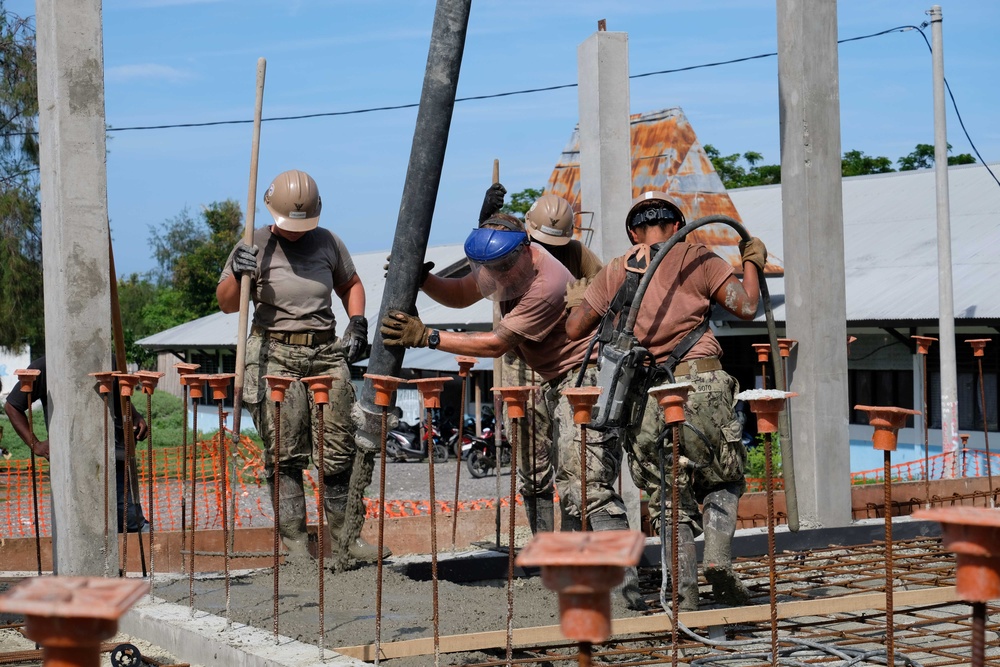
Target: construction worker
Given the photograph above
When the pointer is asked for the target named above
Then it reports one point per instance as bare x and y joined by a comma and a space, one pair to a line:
530, 286
295, 267
549, 222
676, 303
16, 408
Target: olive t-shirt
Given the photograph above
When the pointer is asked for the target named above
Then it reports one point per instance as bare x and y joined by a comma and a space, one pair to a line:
578, 258
294, 281
539, 316
676, 300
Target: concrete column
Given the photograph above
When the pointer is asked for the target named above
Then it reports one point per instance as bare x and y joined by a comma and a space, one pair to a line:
75, 261
605, 139
812, 213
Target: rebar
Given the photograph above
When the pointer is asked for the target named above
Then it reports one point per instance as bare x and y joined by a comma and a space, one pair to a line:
34, 486
433, 515
276, 499
771, 557
321, 528
458, 464
184, 456
986, 428
586, 654
194, 489
514, 432
225, 509
126, 405
583, 478
675, 501
149, 485
889, 629
927, 449
978, 633
107, 483
381, 535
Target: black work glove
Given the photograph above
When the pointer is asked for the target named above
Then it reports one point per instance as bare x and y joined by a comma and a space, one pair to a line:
400, 329
492, 202
245, 259
424, 270
355, 338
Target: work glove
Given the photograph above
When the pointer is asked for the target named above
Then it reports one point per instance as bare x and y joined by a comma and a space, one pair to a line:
574, 292
753, 251
492, 202
424, 270
400, 329
245, 259
355, 338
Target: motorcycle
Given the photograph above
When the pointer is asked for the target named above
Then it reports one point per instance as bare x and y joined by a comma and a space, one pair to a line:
404, 443
482, 453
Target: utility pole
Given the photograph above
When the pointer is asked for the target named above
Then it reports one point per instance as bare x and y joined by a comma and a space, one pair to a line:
946, 301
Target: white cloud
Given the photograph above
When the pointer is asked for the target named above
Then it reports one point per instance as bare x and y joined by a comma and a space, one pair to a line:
146, 72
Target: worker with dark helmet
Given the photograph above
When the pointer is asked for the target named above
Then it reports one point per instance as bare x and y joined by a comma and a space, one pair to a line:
673, 319
530, 286
549, 223
295, 267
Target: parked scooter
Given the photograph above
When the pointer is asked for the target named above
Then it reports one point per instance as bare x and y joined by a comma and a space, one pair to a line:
482, 453
404, 443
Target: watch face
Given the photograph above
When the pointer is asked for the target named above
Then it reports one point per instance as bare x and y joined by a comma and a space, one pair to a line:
433, 339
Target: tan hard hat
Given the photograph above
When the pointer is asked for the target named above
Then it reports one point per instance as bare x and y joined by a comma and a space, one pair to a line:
294, 202
550, 220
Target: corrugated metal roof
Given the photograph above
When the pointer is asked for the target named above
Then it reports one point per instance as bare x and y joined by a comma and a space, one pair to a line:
890, 242
666, 156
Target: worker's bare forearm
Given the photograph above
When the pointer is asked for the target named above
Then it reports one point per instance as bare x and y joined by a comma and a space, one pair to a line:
227, 293
484, 344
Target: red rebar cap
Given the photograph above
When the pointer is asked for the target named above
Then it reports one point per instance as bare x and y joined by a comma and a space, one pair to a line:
887, 421
126, 381
430, 390
973, 533
385, 386
185, 368
148, 380
583, 567
923, 343
319, 385
195, 384
105, 381
785, 346
978, 345
763, 351
26, 376
582, 400
767, 404
672, 398
220, 385
278, 384
515, 399
465, 364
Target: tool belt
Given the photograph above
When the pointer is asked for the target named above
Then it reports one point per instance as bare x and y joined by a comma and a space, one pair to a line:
307, 338
695, 366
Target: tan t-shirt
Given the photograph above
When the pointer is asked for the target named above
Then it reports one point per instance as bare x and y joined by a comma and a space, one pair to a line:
676, 300
293, 285
540, 317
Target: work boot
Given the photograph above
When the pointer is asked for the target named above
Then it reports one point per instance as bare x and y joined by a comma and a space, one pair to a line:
719, 513
291, 511
629, 588
687, 563
541, 513
335, 505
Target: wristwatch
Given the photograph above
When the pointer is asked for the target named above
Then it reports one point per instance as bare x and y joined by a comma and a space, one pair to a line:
434, 339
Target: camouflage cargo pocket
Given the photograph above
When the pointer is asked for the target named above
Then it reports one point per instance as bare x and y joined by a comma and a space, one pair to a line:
254, 384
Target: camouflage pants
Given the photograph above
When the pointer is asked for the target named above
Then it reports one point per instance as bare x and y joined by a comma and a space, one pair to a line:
604, 454
711, 449
537, 458
299, 425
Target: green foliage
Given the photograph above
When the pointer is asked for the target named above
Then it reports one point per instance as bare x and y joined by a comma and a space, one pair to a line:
922, 157
735, 175
856, 163
755, 458
521, 201
21, 308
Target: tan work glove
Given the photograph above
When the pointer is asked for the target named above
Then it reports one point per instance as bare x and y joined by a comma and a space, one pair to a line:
400, 329
574, 293
754, 251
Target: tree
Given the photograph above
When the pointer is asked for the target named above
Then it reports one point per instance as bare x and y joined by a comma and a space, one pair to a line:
521, 201
922, 157
21, 305
856, 163
191, 253
734, 175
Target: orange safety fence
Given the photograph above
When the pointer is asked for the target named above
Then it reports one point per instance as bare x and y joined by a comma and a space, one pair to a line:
964, 463
247, 491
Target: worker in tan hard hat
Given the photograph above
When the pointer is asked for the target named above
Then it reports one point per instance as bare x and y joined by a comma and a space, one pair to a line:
295, 267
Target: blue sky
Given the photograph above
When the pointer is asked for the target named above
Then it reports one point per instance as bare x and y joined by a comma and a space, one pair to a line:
189, 61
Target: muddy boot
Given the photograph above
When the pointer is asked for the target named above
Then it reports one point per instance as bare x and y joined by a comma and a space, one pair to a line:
541, 513
629, 588
291, 511
687, 563
720, 525
335, 504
